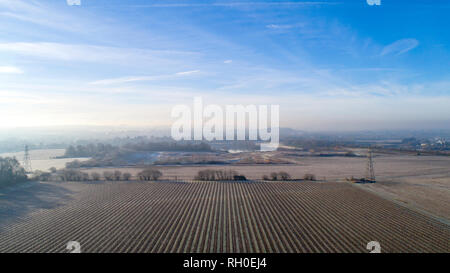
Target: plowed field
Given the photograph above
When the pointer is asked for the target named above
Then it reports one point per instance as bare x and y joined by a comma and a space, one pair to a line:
211, 217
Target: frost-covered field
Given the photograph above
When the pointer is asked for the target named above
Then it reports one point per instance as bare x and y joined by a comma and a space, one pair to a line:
203, 217
44, 159
419, 181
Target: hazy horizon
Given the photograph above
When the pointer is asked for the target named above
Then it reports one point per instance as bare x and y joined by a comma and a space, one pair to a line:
108, 132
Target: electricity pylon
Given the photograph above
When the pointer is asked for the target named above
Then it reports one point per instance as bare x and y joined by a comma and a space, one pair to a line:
370, 172
27, 160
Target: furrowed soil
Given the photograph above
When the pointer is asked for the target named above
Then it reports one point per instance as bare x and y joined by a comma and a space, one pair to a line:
200, 217
419, 181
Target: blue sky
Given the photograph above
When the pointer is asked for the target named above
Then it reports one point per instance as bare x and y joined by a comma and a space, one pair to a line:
330, 65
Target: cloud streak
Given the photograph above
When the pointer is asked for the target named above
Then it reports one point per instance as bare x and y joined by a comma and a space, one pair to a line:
400, 47
87, 53
36, 12
275, 26
142, 78
187, 72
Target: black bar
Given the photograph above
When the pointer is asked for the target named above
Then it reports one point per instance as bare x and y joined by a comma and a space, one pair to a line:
273, 262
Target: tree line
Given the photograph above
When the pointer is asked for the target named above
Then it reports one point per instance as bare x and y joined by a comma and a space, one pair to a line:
284, 176
218, 175
153, 174
67, 174
213, 175
101, 150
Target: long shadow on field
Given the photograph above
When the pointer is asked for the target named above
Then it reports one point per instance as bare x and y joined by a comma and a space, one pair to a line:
17, 202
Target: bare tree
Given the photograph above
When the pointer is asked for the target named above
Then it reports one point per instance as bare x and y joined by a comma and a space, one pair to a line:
84, 176
310, 177
205, 175
149, 174
108, 175
117, 175
156, 174
284, 176
95, 176
126, 176
72, 175
274, 176
215, 175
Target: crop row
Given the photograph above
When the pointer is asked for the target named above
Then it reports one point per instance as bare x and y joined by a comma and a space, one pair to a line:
225, 217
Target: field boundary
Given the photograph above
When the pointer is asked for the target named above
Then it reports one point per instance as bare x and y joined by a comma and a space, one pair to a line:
405, 205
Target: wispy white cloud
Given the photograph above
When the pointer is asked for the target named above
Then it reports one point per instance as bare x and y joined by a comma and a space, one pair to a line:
38, 13
142, 78
74, 2
187, 72
40, 20
124, 80
10, 70
300, 27
227, 61
400, 46
88, 53
19, 5
275, 26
